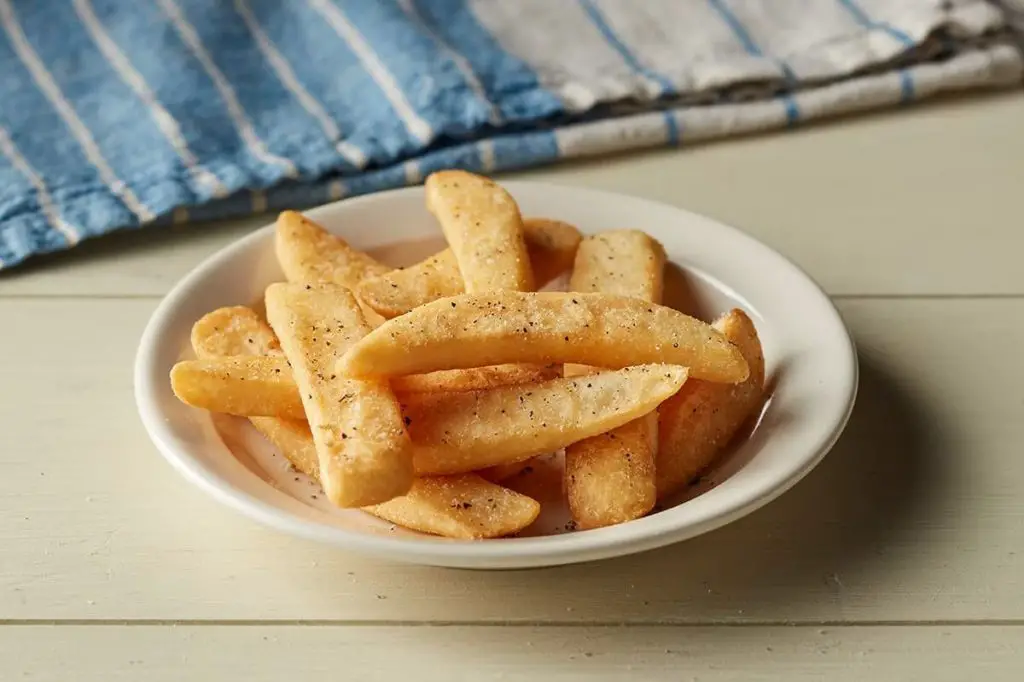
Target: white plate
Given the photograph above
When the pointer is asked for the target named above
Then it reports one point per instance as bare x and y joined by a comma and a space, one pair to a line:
811, 365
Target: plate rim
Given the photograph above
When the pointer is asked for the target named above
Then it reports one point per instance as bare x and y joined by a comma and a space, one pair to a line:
640, 535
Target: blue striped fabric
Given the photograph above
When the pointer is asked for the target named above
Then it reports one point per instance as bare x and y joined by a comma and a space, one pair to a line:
124, 113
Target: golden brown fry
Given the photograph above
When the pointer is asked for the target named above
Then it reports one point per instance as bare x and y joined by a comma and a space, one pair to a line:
465, 507
550, 244
474, 379
475, 330
461, 432
244, 386
239, 331
696, 423
552, 247
501, 472
540, 479
622, 262
264, 386
294, 440
363, 449
309, 254
235, 330
398, 292
609, 478
483, 227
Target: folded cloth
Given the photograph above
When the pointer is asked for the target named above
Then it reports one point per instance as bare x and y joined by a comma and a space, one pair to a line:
123, 113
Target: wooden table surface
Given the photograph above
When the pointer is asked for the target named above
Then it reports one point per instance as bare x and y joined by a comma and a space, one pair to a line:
900, 558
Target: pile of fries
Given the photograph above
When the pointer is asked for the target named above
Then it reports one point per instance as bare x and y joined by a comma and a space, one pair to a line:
420, 395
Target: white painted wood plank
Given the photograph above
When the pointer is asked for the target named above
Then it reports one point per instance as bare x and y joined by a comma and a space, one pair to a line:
920, 201
451, 654
915, 515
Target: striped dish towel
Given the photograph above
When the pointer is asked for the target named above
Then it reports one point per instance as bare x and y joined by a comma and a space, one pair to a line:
123, 113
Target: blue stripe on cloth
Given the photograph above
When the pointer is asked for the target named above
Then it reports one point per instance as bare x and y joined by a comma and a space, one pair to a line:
23, 229
612, 38
428, 78
671, 128
89, 83
278, 119
26, 114
861, 16
509, 82
512, 152
331, 72
753, 49
180, 83
27, 234
858, 13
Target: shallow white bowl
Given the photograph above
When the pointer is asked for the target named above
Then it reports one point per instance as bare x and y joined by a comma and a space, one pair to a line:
811, 369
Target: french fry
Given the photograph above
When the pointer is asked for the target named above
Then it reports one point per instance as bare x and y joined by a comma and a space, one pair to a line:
309, 254
396, 293
541, 479
483, 227
364, 452
245, 386
264, 386
239, 331
466, 507
474, 379
551, 246
696, 423
503, 472
475, 330
236, 330
294, 440
460, 432
622, 262
609, 478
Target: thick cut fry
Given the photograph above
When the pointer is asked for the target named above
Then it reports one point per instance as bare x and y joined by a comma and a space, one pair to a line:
309, 254
245, 386
474, 379
474, 330
239, 331
461, 432
623, 262
501, 472
552, 247
236, 330
483, 227
363, 449
465, 507
294, 440
264, 386
398, 292
550, 244
609, 478
696, 423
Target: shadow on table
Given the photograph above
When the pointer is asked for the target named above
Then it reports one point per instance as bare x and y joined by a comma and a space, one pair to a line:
789, 561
